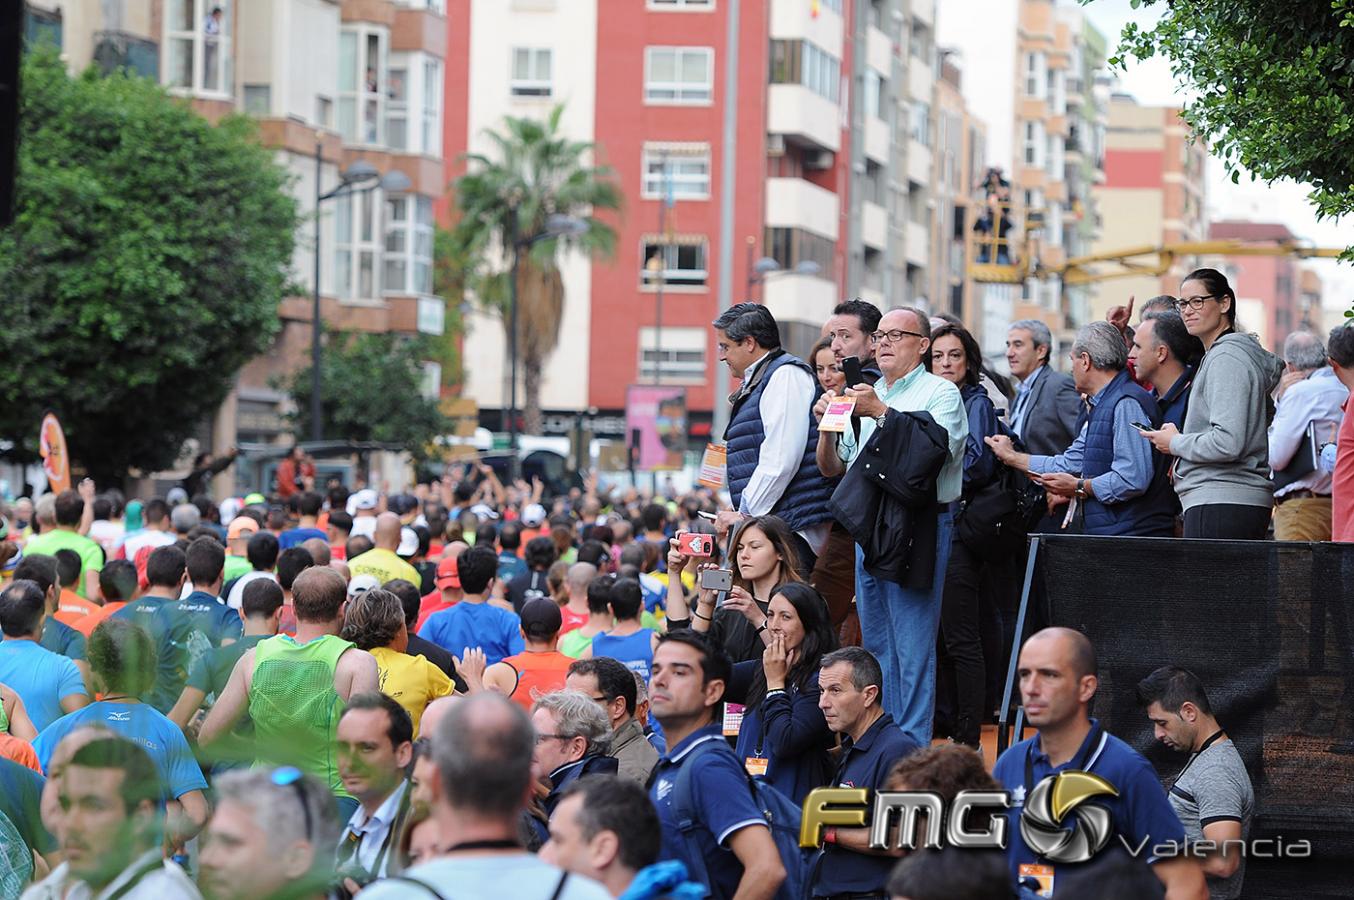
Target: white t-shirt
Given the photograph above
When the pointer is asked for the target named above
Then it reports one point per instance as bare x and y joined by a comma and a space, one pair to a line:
519, 876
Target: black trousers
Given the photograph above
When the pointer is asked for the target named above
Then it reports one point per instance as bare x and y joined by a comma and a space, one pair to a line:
960, 627
1227, 521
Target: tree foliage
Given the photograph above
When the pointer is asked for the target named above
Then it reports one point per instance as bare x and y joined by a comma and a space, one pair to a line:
148, 255
1274, 84
371, 389
506, 197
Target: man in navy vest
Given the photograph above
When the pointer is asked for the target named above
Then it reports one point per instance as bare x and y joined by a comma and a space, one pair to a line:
1113, 472
772, 436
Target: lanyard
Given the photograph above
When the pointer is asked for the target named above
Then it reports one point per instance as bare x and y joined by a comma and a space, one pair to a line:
481, 845
1091, 741
1200, 752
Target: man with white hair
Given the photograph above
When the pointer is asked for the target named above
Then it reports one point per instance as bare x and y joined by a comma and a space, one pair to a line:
1118, 480
1044, 414
1307, 415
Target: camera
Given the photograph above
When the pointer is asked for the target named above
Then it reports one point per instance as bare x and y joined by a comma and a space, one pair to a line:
693, 543
716, 579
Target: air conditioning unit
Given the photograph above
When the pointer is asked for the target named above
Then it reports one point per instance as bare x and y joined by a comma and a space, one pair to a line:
775, 145
820, 160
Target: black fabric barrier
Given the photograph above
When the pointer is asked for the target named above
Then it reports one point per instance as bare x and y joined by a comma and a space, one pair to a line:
1266, 626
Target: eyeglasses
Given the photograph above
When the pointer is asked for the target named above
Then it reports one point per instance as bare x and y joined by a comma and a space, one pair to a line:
290, 776
548, 737
894, 336
1195, 303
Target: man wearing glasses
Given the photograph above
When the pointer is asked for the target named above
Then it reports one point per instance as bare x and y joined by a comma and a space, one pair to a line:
611, 686
898, 624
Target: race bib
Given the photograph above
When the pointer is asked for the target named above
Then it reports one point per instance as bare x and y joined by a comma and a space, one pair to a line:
838, 415
733, 719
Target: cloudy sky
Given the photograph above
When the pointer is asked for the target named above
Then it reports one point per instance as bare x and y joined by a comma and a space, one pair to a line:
988, 59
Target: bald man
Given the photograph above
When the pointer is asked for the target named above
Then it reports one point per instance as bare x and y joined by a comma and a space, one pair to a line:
382, 560
1057, 671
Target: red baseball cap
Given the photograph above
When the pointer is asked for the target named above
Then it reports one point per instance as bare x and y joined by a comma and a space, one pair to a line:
448, 576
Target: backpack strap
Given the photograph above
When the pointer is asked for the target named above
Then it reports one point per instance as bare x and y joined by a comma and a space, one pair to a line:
684, 806
559, 886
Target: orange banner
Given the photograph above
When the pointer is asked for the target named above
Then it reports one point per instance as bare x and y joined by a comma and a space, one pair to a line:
55, 461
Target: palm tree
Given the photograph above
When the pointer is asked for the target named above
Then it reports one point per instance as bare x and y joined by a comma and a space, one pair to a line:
504, 201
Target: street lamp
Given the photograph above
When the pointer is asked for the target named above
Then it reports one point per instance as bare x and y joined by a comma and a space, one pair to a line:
360, 176
556, 225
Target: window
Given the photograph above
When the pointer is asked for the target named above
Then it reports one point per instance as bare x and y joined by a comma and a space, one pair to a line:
802, 62
791, 246
1034, 75
1034, 144
919, 42
680, 260
681, 357
921, 123
679, 75
355, 245
408, 245
363, 84
687, 171
258, 99
874, 94
397, 107
431, 386
197, 46
530, 72
324, 111
432, 107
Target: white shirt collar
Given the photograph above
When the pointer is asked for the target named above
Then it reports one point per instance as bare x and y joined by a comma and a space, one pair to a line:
361, 823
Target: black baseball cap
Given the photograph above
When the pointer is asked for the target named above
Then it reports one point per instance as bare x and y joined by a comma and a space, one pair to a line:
541, 619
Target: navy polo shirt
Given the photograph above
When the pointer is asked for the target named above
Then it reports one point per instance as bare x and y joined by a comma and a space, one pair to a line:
864, 764
1140, 811
722, 804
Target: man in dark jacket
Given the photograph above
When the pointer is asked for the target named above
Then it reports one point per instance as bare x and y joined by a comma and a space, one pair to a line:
899, 623
572, 738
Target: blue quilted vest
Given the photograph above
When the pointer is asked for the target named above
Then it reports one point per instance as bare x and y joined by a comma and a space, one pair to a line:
1152, 513
804, 502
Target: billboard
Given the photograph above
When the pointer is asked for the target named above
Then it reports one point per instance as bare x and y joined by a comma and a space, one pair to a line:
655, 424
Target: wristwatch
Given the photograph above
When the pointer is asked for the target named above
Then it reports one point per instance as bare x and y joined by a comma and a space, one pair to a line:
1081, 489
879, 419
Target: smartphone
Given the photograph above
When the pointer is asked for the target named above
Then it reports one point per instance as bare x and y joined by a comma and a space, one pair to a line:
716, 579
1141, 426
707, 515
693, 543
851, 369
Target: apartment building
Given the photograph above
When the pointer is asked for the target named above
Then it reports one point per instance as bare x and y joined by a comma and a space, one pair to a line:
816, 215
1154, 193
331, 84
1275, 295
957, 167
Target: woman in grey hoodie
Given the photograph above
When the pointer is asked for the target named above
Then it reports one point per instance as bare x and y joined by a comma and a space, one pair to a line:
1222, 456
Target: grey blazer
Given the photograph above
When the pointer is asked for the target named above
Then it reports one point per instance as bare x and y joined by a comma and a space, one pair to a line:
1051, 420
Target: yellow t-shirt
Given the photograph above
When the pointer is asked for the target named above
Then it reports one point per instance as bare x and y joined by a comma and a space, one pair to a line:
385, 565
411, 681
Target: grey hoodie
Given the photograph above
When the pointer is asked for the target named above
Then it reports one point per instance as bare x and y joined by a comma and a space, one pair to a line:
1224, 451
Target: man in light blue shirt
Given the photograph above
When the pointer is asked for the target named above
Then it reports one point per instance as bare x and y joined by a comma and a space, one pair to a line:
898, 625
49, 683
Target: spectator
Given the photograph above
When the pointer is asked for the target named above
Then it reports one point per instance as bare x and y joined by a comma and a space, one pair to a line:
1120, 485
293, 687
852, 702
474, 622
783, 737
116, 851
269, 836
382, 560
262, 553
1044, 415
579, 641
571, 741
375, 747
72, 609
851, 329
1212, 794
308, 505
206, 466
716, 829
530, 585
241, 529
294, 473
900, 613
952, 873
576, 611
826, 368
763, 561
48, 683
374, 621
1222, 467
70, 510
627, 640
1161, 352
1057, 683
1308, 415
539, 668
610, 685
510, 562
607, 830
483, 750
123, 658
771, 435
1340, 459
411, 603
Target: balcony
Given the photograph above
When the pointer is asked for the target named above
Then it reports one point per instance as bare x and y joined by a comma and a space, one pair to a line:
796, 203
918, 244
878, 51
118, 51
877, 140
920, 79
918, 162
800, 298
874, 225
795, 111
793, 20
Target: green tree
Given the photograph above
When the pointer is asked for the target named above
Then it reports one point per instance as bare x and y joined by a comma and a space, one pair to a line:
534, 173
148, 255
1274, 86
371, 389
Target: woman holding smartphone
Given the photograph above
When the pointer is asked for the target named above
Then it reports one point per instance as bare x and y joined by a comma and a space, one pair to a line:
763, 559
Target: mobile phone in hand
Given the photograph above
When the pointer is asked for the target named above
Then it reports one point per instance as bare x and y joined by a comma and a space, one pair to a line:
716, 579
1142, 426
851, 369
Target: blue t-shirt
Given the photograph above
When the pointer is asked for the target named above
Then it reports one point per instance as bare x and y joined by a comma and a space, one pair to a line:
510, 565
491, 628
141, 724
722, 801
1140, 811
59, 637
205, 614
295, 537
40, 677
635, 650
172, 636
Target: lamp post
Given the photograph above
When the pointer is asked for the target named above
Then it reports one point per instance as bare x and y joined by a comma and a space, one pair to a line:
361, 176
556, 225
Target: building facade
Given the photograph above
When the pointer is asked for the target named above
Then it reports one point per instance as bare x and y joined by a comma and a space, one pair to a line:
1154, 193
957, 168
1273, 300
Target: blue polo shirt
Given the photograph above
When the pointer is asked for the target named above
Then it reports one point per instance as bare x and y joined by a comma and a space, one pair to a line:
491, 628
1140, 811
864, 764
721, 804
